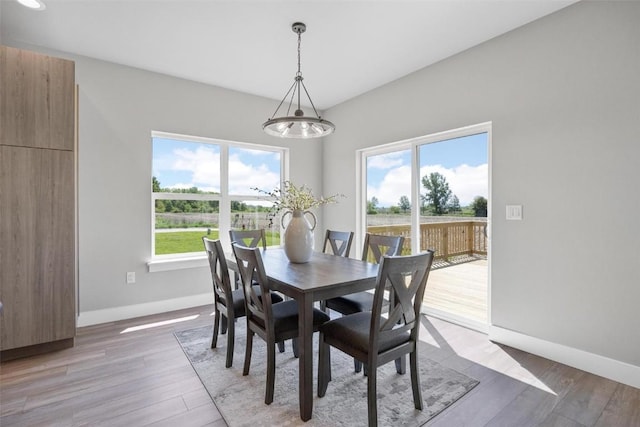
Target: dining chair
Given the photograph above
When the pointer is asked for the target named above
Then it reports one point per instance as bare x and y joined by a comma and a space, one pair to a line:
375, 339
252, 239
375, 246
338, 241
273, 322
249, 238
228, 304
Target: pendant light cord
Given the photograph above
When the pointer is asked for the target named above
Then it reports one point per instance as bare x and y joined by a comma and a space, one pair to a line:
299, 75
296, 86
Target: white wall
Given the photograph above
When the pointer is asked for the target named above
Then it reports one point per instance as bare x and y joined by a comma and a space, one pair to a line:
563, 94
118, 108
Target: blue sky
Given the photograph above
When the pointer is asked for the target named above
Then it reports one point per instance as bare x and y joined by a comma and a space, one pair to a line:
178, 164
462, 161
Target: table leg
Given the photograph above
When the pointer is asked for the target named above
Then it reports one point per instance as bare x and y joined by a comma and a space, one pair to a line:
305, 341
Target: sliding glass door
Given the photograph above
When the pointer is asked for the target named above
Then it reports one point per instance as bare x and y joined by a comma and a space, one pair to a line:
434, 191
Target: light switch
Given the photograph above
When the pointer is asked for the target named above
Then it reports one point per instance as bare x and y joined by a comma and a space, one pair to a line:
131, 277
514, 212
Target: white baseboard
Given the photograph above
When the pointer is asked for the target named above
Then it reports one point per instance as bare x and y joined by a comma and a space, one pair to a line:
106, 315
599, 365
452, 318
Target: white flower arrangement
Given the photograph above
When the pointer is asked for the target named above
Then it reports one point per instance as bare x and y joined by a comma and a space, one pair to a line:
291, 198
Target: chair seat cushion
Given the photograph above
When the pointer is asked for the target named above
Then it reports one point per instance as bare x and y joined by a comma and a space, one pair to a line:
354, 329
285, 317
352, 303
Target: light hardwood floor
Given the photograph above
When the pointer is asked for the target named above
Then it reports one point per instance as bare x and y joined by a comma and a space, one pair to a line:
117, 376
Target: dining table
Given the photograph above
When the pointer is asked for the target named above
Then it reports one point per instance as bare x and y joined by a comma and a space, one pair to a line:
324, 276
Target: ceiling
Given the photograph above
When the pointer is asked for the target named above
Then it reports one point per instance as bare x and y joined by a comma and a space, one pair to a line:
349, 48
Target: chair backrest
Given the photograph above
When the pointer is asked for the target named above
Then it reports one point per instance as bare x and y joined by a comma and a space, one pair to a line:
250, 265
219, 269
249, 238
377, 245
339, 242
405, 276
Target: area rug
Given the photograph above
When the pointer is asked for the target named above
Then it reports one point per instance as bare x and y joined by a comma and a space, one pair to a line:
240, 399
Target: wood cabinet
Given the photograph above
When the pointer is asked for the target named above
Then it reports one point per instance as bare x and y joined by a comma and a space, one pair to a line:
37, 203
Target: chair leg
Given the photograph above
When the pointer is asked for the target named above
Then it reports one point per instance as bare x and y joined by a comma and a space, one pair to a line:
323, 306
281, 346
372, 398
231, 337
357, 365
401, 365
224, 325
415, 379
324, 366
247, 354
216, 328
271, 372
296, 349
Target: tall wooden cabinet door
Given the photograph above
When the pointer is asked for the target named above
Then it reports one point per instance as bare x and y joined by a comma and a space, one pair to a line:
37, 286
36, 100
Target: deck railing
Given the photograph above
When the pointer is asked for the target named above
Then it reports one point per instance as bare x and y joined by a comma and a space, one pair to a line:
448, 239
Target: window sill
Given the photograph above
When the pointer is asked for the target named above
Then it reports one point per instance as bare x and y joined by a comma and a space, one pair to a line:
175, 263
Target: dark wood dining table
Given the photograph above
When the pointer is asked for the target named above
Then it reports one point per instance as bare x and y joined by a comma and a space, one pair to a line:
324, 276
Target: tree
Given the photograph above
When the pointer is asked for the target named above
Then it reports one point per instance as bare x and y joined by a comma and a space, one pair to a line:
155, 185
438, 193
404, 204
454, 206
479, 206
372, 206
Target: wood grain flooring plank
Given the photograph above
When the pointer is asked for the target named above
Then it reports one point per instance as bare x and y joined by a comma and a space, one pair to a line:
104, 381
531, 407
120, 402
203, 415
481, 404
196, 398
146, 415
557, 420
45, 416
587, 398
623, 410
112, 378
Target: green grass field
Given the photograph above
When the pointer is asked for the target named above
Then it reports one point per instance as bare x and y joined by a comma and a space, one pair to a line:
179, 242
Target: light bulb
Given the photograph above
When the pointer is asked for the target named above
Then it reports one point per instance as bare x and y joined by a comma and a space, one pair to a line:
33, 4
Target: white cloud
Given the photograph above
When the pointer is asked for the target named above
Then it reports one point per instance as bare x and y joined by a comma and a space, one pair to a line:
395, 184
386, 161
465, 181
203, 163
243, 177
199, 162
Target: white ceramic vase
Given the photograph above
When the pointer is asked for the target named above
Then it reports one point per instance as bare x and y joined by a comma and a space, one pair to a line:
298, 236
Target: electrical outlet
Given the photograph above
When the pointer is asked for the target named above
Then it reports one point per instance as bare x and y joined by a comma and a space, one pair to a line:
131, 277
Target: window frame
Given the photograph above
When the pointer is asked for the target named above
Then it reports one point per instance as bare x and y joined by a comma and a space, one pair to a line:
166, 262
412, 144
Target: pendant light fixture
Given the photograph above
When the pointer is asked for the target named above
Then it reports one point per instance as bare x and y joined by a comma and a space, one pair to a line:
298, 125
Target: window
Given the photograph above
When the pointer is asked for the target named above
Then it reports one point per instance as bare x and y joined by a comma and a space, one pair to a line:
388, 194
204, 187
434, 191
442, 178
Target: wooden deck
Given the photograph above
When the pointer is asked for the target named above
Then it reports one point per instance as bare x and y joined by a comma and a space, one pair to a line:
459, 289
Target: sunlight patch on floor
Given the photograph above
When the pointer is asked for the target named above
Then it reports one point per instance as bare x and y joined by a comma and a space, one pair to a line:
496, 358
156, 324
